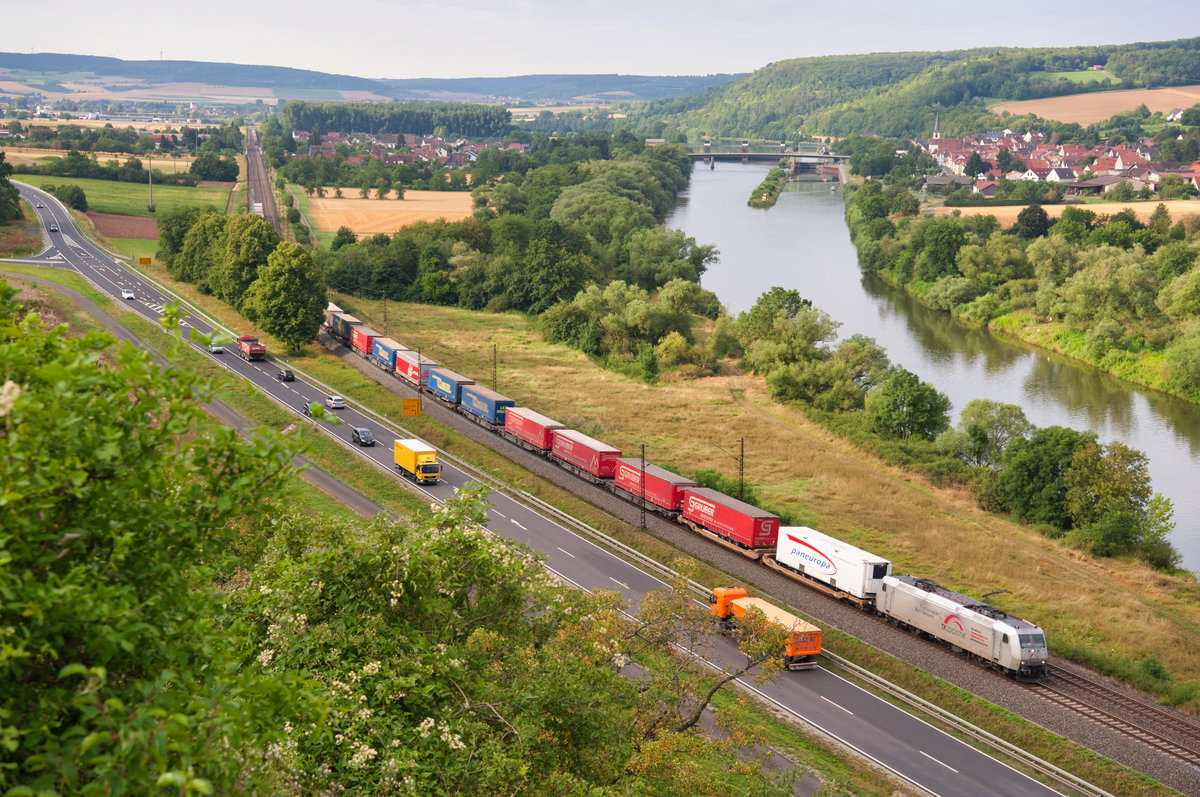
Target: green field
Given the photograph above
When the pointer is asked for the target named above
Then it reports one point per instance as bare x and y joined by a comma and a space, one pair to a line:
130, 199
1081, 76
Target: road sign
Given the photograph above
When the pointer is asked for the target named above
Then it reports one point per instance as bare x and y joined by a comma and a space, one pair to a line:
412, 408
143, 261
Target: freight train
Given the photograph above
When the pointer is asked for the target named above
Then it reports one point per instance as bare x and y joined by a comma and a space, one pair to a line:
986, 634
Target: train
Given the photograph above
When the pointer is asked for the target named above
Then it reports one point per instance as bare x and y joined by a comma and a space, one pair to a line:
984, 633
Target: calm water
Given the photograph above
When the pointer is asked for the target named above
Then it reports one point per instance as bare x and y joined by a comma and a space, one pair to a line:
803, 243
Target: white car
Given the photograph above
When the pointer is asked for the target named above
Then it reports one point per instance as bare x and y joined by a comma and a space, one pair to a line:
127, 294
335, 402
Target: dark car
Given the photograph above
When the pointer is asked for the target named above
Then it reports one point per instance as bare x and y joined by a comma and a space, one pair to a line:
53, 228
40, 205
285, 376
363, 437
306, 408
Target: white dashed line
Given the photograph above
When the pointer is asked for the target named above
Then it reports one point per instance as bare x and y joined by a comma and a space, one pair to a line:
843, 708
613, 580
943, 763
518, 525
568, 553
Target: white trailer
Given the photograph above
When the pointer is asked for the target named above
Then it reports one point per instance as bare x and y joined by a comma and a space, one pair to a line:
849, 572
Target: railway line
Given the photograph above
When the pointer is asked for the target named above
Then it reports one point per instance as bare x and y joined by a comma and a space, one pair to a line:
1165, 731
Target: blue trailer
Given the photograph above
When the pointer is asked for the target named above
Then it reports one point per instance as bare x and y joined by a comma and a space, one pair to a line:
383, 352
486, 405
445, 384
339, 326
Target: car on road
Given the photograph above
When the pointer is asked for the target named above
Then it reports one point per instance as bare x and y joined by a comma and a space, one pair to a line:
216, 348
40, 205
335, 402
53, 228
127, 294
285, 375
362, 436
306, 408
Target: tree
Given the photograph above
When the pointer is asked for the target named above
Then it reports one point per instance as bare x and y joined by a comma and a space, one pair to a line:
202, 247
904, 406
248, 241
343, 237
211, 166
288, 298
976, 165
10, 198
1032, 482
1121, 192
1032, 222
985, 429
173, 227
120, 661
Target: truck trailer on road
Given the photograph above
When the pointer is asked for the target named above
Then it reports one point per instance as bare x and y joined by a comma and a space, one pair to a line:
800, 650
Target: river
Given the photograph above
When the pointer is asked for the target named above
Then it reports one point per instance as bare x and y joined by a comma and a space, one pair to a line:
803, 243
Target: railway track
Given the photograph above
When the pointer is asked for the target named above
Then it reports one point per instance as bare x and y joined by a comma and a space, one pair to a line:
1164, 731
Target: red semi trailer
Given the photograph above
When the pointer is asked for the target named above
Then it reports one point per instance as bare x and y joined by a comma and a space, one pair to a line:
531, 427
585, 453
746, 525
663, 488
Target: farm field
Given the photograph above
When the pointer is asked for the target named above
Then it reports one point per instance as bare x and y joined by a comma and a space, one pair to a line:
28, 156
1096, 106
1007, 214
130, 199
370, 216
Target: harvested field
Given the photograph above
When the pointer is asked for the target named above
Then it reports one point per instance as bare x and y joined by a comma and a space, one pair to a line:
370, 216
111, 225
1007, 214
1096, 106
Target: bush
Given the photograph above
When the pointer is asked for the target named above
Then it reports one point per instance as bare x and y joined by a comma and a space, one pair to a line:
72, 196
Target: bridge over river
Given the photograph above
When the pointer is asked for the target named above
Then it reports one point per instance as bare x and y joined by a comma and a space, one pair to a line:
816, 161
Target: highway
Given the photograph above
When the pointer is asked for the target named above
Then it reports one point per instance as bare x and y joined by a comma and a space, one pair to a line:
913, 750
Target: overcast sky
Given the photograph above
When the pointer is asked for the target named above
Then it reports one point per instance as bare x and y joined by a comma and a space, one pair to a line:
450, 38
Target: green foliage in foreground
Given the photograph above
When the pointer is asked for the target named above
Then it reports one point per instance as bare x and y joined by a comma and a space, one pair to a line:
136, 654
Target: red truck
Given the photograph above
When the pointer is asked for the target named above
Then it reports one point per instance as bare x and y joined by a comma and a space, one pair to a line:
663, 487
590, 456
250, 349
746, 525
531, 428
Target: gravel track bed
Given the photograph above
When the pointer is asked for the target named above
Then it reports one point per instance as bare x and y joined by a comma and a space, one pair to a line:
935, 659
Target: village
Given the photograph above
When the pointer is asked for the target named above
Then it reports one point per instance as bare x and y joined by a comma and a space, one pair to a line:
1081, 170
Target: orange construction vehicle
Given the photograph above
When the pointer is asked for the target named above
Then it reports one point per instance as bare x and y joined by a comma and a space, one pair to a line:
800, 650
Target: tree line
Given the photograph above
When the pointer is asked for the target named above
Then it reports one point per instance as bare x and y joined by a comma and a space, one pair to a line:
206, 166
108, 138
243, 261
1098, 496
420, 118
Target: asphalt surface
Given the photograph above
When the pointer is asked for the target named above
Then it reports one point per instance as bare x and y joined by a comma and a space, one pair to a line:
903, 745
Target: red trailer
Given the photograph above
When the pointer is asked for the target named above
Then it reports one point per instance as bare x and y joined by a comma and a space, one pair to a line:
532, 427
663, 487
589, 455
414, 367
361, 338
748, 526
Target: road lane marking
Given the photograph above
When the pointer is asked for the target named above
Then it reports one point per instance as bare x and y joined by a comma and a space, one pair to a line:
498, 513
626, 586
568, 553
943, 763
843, 708
518, 525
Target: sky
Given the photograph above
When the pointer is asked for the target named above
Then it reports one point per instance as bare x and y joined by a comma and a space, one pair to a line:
500, 38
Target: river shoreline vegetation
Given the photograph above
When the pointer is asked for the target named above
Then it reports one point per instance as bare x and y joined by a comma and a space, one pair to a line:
768, 191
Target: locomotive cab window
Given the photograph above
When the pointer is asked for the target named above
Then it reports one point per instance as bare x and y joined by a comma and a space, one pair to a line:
1033, 640
1004, 639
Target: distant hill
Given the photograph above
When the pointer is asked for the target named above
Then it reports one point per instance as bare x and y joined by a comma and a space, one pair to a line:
898, 94
46, 73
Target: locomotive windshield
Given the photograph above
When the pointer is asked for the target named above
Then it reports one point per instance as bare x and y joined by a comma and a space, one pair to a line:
1033, 641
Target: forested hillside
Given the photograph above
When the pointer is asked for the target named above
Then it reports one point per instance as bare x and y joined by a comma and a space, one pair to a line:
897, 93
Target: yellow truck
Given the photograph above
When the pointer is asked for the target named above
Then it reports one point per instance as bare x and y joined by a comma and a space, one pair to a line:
417, 461
800, 650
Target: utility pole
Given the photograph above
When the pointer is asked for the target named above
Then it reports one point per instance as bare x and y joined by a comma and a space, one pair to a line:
741, 468
150, 180
643, 490
494, 367
385, 329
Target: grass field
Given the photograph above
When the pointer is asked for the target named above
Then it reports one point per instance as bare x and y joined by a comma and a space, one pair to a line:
1081, 76
1096, 106
130, 199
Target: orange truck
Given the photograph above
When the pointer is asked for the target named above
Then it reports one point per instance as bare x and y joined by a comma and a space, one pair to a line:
729, 604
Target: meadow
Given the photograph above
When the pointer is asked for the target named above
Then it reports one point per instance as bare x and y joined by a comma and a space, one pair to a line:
131, 199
